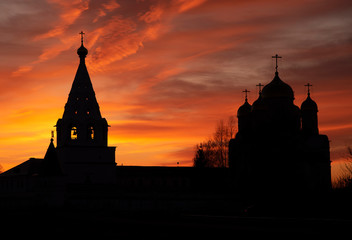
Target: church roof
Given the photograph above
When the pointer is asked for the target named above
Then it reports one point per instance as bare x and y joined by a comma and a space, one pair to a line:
277, 89
28, 168
49, 166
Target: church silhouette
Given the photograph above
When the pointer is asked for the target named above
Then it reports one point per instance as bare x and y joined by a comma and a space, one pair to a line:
277, 146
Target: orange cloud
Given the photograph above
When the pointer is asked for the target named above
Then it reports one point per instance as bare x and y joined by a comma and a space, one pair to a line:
154, 14
186, 5
21, 70
165, 72
111, 5
70, 11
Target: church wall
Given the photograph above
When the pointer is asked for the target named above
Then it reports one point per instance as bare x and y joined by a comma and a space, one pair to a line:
88, 164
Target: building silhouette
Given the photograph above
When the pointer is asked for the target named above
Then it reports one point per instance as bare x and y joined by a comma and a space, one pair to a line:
82, 133
81, 170
278, 146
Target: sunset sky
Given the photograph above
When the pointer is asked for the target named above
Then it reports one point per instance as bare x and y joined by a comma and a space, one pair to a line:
165, 72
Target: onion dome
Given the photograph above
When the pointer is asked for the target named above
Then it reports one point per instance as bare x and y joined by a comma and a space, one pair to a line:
309, 105
277, 89
258, 104
244, 110
82, 51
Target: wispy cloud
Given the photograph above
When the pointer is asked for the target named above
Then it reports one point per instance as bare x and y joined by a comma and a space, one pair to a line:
165, 72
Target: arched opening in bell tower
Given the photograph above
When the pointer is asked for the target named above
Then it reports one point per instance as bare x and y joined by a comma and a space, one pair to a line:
74, 133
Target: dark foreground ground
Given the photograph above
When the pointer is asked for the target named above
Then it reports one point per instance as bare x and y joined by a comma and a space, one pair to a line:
103, 224
226, 218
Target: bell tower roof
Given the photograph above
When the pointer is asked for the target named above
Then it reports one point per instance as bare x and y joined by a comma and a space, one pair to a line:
82, 101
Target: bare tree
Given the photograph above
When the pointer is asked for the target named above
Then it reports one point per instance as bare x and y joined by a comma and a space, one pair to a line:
231, 126
200, 160
214, 152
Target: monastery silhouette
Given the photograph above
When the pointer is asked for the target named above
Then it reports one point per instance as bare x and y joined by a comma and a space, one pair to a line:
271, 151
278, 145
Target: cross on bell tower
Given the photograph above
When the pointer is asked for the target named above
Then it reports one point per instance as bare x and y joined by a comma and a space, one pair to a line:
81, 33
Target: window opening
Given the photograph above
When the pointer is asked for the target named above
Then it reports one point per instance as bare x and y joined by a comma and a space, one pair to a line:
73, 133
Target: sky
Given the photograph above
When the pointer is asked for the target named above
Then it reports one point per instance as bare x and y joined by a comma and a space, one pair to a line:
166, 71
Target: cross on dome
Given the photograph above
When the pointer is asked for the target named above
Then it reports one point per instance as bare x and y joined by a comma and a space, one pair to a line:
246, 92
308, 85
260, 87
81, 33
276, 56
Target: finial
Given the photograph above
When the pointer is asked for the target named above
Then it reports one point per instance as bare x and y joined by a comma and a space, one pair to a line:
308, 85
81, 33
246, 92
276, 56
260, 88
52, 136
82, 51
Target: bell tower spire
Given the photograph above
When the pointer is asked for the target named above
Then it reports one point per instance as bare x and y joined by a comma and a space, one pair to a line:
82, 123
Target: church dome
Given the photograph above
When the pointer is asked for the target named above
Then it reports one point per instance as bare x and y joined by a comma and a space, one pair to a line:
82, 51
258, 104
309, 105
277, 89
245, 109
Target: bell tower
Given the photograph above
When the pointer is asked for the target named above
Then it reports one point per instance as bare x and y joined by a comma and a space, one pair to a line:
82, 123
82, 133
